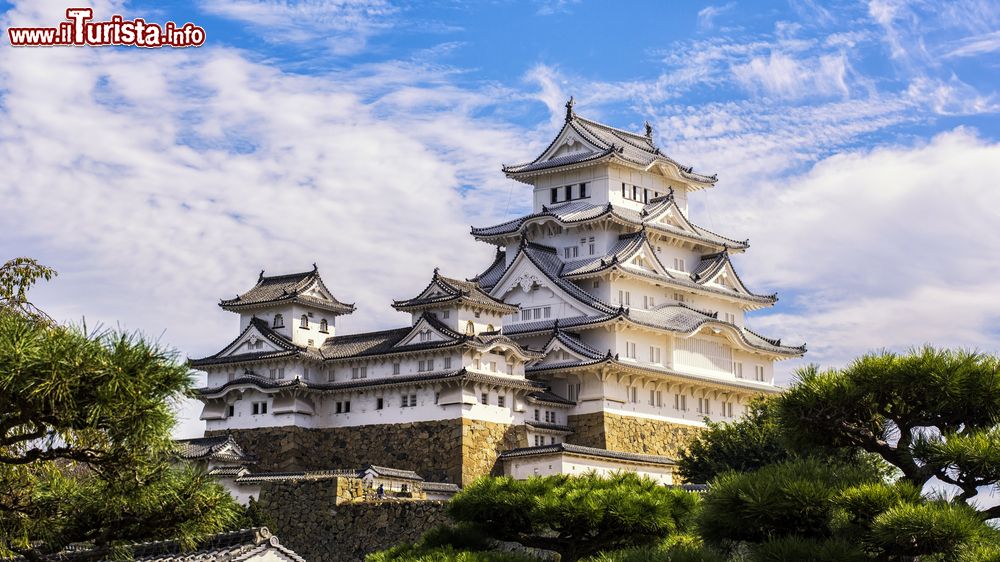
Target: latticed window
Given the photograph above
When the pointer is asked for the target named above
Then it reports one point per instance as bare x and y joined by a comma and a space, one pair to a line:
279, 321
323, 326
304, 321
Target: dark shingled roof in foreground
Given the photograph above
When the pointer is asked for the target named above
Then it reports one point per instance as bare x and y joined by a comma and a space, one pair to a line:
588, 451
286, 288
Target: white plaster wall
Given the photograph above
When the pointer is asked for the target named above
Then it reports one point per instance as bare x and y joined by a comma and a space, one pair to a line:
562, 463
594, 176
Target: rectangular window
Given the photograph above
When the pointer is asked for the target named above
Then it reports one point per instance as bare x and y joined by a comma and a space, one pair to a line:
621, 297
630, 350
624, 191
680, 402
430, 364
404, 401
493, 366
446, 314
729, 409
510, 368
679, 297
554, 195
475, 364
395, 368
537, 313
566, 252
628, 298
679, 264
230, 411
759, 372
447, 362
654, 354
597, 284
550, 417
738, 370
591, 245
659, 399
573, 392
536, 415
347, 407
583, 190
525, 315
329, 375
484, 398
379, 403
568, 190
501, 400
633, 394
652, 397
635, 192
273, 374
539, 440
340, 407
421, 366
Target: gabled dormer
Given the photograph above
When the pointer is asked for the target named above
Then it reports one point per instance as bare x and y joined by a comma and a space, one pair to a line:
298, 306
590, 162
460, 305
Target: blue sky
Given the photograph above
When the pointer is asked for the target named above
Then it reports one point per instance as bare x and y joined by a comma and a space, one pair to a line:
856, 144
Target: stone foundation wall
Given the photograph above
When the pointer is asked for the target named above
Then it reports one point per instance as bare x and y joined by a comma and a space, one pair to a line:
482, 443
630, 434
458, 450
305, 518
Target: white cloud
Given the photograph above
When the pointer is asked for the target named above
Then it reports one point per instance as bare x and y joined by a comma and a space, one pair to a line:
888, 248
344, 26
707, 15
783, 76
975, 45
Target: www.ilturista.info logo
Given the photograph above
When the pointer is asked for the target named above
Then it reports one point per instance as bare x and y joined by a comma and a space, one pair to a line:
78, 30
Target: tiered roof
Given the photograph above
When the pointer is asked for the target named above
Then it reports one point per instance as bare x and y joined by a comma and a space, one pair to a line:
303, 288
443, 291
390, 342
218, 448
606, 144
285, 348
461, 376
581, 214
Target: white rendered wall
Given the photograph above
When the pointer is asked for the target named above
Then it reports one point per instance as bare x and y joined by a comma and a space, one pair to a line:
594, 176
573, 465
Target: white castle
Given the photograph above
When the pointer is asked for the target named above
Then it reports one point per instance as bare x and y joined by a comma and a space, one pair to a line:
607, 329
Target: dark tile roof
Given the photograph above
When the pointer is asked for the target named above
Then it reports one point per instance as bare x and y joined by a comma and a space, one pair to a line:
285, 347
461, 375
549, 426
579, 213
388, 342
216, 448
388, 472
440, 487
488, 278
588, 451
452, 290
286, 288
573, 342
234, 546
550, 398
610, 142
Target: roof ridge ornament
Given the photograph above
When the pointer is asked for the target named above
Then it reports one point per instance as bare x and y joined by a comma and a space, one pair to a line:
649, 130
315, 267
261, 276
570, 114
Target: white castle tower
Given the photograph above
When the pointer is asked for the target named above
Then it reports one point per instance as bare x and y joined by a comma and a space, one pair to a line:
607, 329
639, 311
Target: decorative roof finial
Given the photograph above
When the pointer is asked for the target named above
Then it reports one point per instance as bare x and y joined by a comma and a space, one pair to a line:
261, 277
315, 269
649, 131
569, 109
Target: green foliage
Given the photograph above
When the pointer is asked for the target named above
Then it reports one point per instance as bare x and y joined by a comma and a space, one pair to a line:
785, 549
575, 516
746, 444
929, 528
791, 499
414, 553
85, 447
677, 548
16, 277
930, 413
